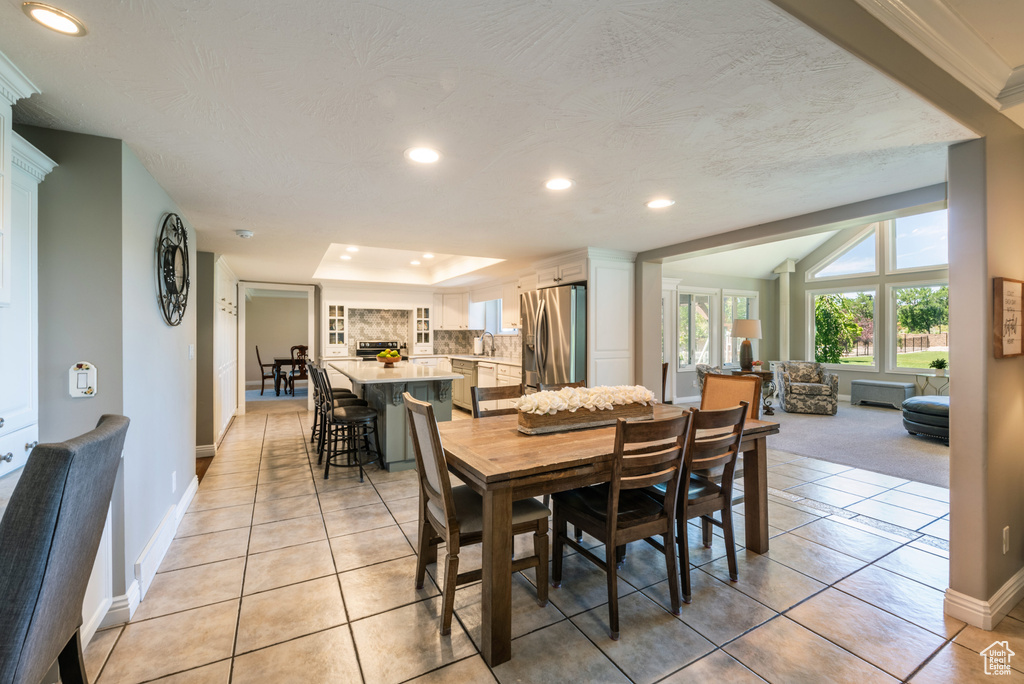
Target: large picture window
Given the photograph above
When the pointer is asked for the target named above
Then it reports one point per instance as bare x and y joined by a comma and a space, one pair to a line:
844, 327
736, 306
694, 329
921, 325
920, 242
858, 257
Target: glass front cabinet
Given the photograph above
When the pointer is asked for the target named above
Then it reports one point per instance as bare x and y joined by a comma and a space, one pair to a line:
422, 330
337, 343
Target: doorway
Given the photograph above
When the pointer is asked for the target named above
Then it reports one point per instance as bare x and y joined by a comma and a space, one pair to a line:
274, 318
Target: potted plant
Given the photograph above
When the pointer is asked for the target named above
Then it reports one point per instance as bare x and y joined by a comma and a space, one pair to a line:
940, 366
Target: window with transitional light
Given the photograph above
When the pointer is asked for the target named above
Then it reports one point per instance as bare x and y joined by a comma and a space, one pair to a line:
736, 305
694, 318
844, 327
921, 329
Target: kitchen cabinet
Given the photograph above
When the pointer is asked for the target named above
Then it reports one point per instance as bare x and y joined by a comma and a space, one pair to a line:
570, 271
458, 313
225, 348
335, 321
507, 375
422, 333
510, 305
527, 283
460, 387
19, 392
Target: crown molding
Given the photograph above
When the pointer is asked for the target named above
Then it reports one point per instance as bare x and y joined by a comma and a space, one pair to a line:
27, 158
14, 85
942, 36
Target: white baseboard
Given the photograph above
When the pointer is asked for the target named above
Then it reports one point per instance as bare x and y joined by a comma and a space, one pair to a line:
151, 557
844, 397
122, 607
206, 451
986, 614
91, 623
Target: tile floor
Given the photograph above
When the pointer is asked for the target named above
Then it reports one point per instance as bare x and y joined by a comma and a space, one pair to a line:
277, 575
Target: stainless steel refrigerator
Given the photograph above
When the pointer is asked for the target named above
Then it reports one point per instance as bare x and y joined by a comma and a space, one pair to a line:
554, 335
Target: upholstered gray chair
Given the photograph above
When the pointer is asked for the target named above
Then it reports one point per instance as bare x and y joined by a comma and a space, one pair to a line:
48, 540
807, 387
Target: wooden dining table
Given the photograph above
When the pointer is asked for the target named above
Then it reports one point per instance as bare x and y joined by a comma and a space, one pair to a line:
504, 465
279, 365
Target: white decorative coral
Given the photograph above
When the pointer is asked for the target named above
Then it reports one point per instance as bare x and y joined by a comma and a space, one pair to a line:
593, 398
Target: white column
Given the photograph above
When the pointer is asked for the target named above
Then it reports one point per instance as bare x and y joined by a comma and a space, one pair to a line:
784, 269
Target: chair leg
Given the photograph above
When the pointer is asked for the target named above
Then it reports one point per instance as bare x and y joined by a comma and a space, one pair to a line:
672, 566
577, 534
705, 530
613, 594
263, 384
561, 529
730, 542
540, 549
71, 663
426, 552
451, 574
682, 541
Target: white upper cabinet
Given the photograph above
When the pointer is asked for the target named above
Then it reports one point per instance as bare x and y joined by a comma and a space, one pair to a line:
13, 87
573, 270
19, 395
458, 313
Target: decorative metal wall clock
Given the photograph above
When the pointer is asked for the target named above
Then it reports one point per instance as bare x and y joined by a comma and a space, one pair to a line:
172, 269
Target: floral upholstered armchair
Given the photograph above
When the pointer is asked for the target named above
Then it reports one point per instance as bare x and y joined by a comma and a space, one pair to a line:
703, 369
807, 387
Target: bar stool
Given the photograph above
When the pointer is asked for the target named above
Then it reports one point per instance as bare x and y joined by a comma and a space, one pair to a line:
348, 438
315, 375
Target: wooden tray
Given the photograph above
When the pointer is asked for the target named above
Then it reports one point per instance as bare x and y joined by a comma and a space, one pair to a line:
581, 419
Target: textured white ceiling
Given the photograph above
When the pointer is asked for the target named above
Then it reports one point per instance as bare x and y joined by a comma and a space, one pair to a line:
749, 262
289, 119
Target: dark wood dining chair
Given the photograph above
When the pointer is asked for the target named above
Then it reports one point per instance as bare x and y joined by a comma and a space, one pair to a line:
480, 394
298, 368
454, 515
49, 536
265, 375
705, 496
647, 453
664, 383
554, 387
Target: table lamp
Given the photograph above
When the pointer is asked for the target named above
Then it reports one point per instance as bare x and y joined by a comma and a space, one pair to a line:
749, 329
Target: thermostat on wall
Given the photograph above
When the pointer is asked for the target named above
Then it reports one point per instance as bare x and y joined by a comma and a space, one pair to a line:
82, 380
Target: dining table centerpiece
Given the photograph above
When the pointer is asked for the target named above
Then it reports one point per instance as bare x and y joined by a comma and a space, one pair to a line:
579, 408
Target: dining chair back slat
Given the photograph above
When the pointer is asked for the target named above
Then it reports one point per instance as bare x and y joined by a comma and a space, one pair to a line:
482, 394
435, 483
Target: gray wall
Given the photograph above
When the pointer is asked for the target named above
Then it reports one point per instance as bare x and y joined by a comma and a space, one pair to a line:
798, 304
160, 379
203, 296
274, 324
99, 218
768, 312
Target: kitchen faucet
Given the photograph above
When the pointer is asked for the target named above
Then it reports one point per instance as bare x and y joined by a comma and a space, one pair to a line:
492, 344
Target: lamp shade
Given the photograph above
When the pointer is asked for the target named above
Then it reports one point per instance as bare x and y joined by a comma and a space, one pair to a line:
749, 328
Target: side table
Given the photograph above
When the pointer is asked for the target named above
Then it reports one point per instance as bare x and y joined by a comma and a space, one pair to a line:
767, 382
924, 383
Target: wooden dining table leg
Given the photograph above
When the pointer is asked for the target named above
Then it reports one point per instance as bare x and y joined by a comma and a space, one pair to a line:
755, 496
496, 589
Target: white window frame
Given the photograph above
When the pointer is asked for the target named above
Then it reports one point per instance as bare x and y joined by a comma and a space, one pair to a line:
890, 236
495, 305
714, 332
809, 318
749, 294
860, 236
890, 297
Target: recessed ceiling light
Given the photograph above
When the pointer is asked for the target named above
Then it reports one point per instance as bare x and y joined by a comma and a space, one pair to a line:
414, 263
660, 203
423, 155
558, 184
351, 249
428, 256
54, 19
346, 257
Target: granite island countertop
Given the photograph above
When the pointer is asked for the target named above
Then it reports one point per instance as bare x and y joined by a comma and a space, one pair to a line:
365, 373
503, 360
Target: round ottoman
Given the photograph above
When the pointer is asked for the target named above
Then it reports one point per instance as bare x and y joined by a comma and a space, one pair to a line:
927, 415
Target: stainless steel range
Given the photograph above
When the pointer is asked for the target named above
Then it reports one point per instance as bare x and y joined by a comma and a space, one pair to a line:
368, 350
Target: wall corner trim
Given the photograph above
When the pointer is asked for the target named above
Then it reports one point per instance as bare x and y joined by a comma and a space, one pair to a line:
986, 614
122, 607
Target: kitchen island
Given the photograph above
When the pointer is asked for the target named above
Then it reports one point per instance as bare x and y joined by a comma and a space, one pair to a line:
382, 388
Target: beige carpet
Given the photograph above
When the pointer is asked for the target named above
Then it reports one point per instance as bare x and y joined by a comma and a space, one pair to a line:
869, 437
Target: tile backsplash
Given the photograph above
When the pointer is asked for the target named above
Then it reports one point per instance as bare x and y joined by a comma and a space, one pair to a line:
461, 342
377, 324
